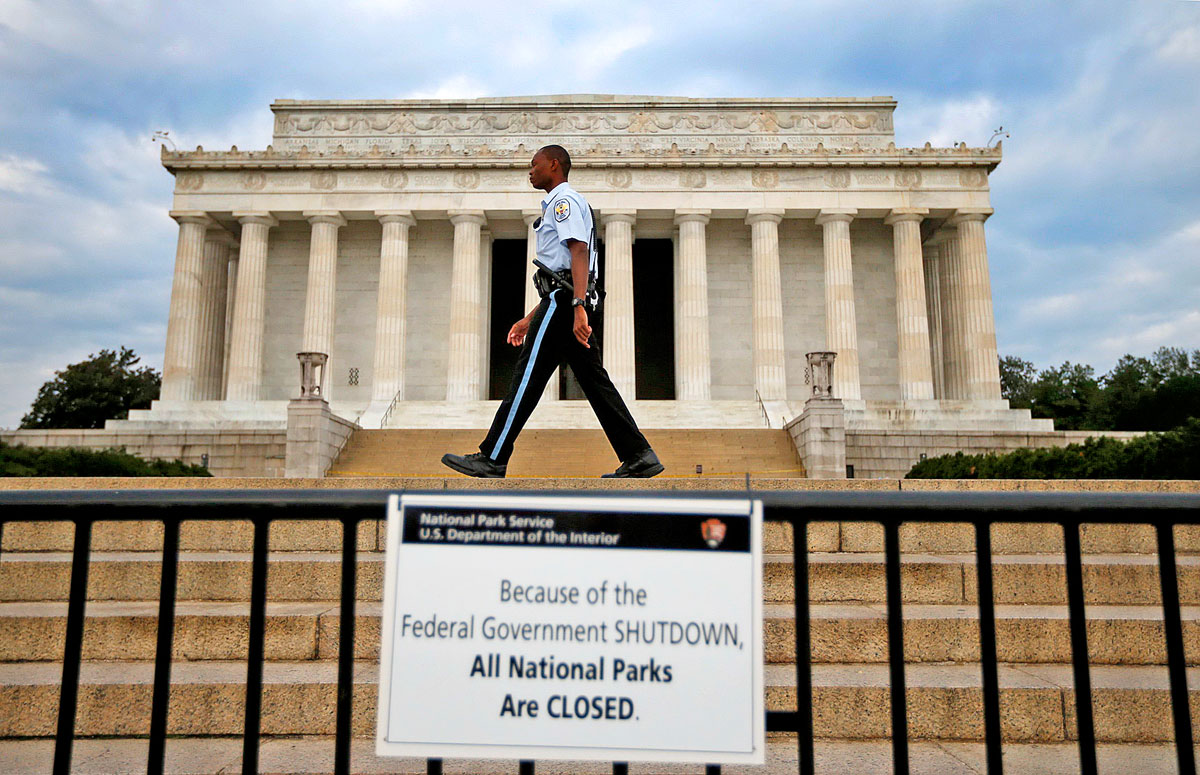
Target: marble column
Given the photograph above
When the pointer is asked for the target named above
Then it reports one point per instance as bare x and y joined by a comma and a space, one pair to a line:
485, 313
619, 350
841, 321
182, 375
244, 379
391, 306
230, 299
949, 280
915, 371
464, 382
933, 305
770, 373
693, 372
214, 282
531, 294
975, 324
319, 300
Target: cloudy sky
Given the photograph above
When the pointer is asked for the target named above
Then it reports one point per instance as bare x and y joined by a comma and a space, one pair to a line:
1095, 245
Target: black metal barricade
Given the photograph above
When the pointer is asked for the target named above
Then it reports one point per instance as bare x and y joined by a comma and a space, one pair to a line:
890, 509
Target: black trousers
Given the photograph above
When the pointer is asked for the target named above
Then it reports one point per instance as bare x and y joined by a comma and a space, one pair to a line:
550, 343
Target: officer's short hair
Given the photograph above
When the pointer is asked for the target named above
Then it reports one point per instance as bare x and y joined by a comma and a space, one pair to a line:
559, 154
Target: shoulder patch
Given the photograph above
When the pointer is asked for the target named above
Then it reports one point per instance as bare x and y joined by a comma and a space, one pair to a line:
562, 210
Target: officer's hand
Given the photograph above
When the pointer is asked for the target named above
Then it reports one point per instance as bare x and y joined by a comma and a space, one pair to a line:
516, 334
582, 330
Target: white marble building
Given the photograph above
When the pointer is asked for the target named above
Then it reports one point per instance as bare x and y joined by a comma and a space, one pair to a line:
738, 234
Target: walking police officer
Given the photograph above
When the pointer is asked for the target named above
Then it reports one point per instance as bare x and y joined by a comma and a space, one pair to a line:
557, 331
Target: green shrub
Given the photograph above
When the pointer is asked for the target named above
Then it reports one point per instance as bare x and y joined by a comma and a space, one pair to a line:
75, 461
1173, 454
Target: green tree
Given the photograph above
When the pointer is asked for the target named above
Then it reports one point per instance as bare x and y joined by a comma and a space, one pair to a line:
1155, 393
85, 394
1016, 381
1068, 394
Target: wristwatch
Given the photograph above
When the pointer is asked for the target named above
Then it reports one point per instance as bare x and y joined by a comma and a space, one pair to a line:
576, 302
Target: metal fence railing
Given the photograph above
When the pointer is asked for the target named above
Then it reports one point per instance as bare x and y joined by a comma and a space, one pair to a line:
800, 509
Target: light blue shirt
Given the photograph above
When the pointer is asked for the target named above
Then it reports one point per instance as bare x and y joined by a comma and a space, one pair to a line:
565, 216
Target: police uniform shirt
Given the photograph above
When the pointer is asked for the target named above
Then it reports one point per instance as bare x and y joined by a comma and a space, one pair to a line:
565, 216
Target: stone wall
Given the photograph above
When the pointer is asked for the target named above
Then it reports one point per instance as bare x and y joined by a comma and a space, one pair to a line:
729, 310
875, 305
287, 278
802, 276
230, 453
802, 272
356, 309
891, 454
430, 251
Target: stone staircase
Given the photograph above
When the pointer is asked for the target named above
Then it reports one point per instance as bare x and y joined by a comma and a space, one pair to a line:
573, 452
849, 643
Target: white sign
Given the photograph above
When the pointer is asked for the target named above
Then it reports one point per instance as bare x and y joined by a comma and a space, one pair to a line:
551, 627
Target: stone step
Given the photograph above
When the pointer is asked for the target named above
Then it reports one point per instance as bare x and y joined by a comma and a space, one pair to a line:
851, 702
571, 452
436, 416
1109, 579
841, 633
313, 755
852, 537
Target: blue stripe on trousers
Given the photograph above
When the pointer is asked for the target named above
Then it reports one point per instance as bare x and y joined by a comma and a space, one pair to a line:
537, 343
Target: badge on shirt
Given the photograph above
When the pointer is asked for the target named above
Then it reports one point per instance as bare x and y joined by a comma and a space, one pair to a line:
562, 210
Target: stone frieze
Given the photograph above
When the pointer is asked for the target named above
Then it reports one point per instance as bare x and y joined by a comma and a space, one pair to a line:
588, 179
613, 125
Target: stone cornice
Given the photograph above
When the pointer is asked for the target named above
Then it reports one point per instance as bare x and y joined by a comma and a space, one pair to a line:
587, 102
377, 158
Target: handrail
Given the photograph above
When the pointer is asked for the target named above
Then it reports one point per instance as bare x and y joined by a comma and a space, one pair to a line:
762, 407
388, 413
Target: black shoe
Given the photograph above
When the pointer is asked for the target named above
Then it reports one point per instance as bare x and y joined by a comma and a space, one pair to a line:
644, 466
475, 464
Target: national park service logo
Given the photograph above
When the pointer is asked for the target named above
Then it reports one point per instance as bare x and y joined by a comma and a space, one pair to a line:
562, 210
713, 531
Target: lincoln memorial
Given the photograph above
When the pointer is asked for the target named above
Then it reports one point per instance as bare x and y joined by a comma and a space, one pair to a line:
392, 238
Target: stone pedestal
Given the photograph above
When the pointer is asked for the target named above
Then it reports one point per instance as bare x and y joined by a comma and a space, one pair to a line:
819, 433
315, 436
820, 436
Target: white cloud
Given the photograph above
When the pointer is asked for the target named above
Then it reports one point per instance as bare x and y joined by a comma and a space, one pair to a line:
1125, 298
455, 87
22, 175
1182, 47
602, 51
971, 120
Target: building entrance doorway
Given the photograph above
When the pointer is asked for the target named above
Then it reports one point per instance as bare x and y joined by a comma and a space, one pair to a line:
654, 318
509, 276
